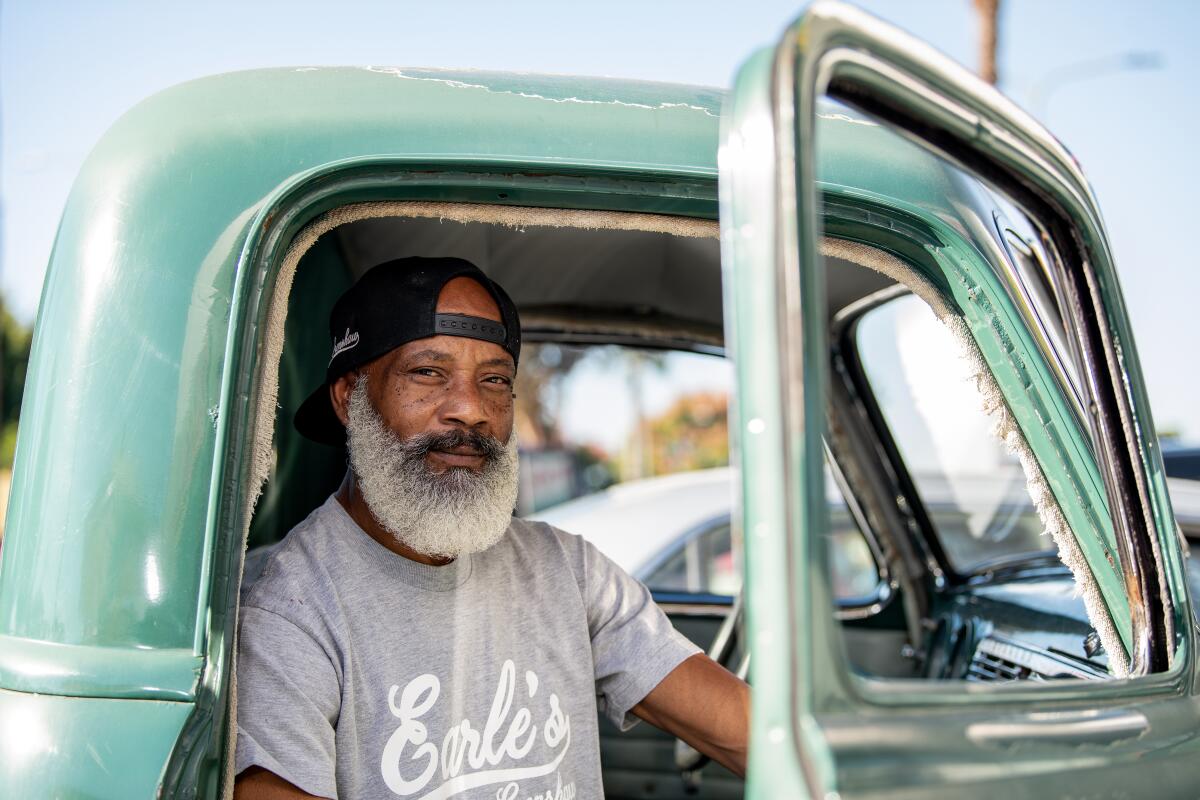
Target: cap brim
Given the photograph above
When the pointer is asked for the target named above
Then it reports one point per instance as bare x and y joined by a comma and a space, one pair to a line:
315, 419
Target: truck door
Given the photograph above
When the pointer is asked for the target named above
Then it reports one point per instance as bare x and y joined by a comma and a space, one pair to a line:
819, 728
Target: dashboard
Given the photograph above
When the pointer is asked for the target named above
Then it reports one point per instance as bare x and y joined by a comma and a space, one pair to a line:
1026, 629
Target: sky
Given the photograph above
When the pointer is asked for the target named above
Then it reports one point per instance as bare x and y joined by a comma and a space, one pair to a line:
68, 69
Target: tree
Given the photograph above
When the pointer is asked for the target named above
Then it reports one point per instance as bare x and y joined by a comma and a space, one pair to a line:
538, 389
692, 434
15, 339
640, 440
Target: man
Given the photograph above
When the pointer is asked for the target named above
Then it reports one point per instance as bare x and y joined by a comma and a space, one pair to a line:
411, 638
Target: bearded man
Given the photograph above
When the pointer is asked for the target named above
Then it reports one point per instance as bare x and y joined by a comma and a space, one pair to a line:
411, 638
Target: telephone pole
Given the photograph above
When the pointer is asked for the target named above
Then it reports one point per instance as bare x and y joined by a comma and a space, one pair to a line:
988, 12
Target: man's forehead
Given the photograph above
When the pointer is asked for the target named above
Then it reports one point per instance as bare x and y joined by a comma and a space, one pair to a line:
463, 295
448, 349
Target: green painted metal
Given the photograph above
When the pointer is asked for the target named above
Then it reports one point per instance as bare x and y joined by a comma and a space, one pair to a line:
1041, 411
30, 665
948, 250
905, 80
864, 737
781, 752
128, 354
77, 747
110, 548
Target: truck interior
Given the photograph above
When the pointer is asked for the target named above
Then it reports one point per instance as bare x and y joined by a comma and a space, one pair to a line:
964, 584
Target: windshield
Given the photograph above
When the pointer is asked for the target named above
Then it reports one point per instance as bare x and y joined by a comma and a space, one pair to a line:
629, 448
973, 489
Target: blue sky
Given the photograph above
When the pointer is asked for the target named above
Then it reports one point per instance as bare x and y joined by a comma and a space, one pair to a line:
69, 69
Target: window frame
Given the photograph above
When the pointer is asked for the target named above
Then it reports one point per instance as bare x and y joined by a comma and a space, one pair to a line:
848, 56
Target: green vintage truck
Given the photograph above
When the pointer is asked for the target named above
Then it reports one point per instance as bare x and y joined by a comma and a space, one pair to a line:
910, 277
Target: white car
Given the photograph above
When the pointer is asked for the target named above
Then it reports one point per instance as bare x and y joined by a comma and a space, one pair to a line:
673, 533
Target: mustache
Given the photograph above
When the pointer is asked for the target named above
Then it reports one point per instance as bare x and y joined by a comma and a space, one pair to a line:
420, 445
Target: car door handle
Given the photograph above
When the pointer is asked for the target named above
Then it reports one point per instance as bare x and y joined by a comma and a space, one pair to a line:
1069, 727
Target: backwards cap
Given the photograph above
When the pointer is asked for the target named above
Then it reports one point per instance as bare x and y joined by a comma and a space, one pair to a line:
392, 304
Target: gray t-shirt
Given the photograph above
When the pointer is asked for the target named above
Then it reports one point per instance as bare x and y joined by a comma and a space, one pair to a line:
362, 674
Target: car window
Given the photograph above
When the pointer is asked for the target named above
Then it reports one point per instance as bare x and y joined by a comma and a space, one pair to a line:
629, 448
973, 489
704, 563
1182, 463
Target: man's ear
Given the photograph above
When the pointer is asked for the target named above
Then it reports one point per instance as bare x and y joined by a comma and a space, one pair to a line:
339, 395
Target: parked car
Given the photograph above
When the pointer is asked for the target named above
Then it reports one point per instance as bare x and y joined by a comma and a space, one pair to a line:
816, 243
1182, 468
1182, 463
675, 532
671, 532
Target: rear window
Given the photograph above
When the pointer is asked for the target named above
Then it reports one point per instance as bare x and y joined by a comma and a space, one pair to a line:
629, 447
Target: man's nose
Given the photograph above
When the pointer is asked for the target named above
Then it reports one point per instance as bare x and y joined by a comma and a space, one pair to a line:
464, 405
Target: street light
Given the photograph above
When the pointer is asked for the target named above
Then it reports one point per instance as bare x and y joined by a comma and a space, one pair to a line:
1132, 61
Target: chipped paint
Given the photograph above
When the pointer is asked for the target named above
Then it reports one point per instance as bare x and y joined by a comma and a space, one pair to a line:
461, 79
834, 117
407, 74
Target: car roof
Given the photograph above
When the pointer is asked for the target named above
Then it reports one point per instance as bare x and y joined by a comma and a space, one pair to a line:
633, 522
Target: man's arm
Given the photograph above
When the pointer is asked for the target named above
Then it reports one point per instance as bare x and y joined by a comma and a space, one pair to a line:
288, 700
705, 705
256, 783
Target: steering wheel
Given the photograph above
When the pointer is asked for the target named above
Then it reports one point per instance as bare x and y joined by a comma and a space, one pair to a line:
688, 759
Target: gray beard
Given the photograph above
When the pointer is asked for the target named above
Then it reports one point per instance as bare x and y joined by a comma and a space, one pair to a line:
438, 514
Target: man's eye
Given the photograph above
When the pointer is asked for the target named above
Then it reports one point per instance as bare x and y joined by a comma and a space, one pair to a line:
426, 371
499, 380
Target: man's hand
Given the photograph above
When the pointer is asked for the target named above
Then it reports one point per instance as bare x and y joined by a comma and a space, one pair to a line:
705, 705
256, 783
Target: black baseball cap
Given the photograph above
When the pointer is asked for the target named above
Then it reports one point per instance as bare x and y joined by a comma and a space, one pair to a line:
392, 304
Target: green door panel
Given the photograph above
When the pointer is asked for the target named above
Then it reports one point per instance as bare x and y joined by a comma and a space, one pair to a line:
1141, 750
75, 747
781, 460
817, 730
894, 77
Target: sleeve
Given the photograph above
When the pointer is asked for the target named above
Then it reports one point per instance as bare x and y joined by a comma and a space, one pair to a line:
634, 645
288, 700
